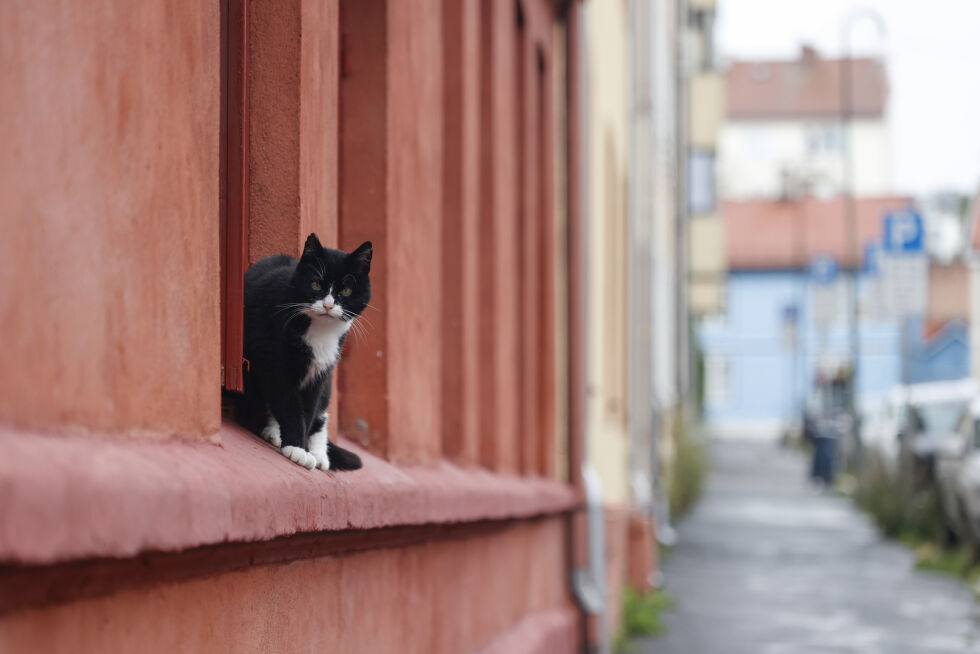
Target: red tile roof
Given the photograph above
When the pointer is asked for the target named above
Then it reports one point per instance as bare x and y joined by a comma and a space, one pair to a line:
805, 88
767, 234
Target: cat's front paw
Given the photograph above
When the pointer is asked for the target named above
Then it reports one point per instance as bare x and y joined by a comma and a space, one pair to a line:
271, 433
299, 456
322, 460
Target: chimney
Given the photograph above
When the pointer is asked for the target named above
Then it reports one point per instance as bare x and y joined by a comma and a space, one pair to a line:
808, 55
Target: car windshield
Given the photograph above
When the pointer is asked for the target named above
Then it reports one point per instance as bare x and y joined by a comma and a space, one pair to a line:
939, 417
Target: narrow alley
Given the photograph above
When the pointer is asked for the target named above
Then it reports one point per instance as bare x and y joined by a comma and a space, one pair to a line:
764, 566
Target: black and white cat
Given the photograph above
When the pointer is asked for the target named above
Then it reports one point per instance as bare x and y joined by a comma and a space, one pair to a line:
297, 315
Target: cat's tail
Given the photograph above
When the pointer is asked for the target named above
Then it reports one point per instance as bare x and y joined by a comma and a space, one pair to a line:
341, 459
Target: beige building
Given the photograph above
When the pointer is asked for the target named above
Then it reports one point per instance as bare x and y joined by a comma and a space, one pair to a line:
607, 109
606, 141
636, 320
705, 109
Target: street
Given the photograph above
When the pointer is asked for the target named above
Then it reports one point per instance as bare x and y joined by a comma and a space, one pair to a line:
764, 566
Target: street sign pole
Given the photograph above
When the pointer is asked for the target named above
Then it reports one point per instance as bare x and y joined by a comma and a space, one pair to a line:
851, 218
847, 110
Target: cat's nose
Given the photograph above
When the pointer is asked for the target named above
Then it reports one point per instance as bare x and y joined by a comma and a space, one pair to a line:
328, 303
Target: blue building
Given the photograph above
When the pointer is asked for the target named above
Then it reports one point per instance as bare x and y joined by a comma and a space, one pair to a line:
782, 324
761, 356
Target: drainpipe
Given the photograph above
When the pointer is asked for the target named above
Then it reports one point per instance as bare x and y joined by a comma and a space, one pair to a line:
586, 534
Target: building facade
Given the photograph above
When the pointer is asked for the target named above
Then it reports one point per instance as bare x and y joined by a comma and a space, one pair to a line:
517, 166
705, 111
782, 326
633, 308
784, 128
154, 152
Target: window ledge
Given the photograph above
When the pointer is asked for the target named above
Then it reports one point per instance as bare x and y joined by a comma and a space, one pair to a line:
71, 497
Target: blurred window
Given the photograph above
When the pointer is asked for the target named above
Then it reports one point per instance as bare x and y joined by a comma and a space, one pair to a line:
701, 181
940, 417
757, 141
824, 138
702, 22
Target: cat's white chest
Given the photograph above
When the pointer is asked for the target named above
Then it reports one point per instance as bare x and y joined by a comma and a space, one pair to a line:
323, 338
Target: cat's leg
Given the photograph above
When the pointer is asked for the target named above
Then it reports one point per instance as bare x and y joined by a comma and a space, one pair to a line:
318, 442
316, 398
287, 410
272, 433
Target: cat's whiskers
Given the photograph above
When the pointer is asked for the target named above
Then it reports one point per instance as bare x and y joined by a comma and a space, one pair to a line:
301, 310
355, 330
359, 331
368, 322
289, 305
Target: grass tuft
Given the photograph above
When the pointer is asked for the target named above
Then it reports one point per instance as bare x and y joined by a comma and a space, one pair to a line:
690, 468
642, 615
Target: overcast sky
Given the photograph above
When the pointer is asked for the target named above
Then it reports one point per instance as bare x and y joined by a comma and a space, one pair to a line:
932, 50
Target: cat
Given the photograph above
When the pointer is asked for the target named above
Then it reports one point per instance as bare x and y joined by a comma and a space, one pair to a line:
297, 315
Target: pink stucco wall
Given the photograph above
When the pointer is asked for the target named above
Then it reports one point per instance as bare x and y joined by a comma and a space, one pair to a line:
439, 597
109, 189
109, 307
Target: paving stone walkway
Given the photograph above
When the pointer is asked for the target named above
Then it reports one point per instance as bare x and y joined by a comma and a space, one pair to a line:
765, 566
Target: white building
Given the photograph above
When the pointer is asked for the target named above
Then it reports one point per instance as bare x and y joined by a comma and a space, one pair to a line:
784, 125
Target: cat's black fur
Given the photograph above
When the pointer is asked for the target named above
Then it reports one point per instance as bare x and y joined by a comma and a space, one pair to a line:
279, 290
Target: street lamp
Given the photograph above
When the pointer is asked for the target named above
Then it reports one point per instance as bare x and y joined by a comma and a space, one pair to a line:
847, 187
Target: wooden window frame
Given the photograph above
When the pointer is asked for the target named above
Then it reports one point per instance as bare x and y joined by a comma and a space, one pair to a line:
234, 219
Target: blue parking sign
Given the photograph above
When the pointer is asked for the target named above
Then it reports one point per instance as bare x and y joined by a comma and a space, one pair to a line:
904, 231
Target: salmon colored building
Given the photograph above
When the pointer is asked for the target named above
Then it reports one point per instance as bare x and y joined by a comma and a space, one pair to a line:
153, 151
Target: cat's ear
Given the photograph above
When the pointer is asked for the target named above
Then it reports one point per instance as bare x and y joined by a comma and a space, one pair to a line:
362, 255
312, 245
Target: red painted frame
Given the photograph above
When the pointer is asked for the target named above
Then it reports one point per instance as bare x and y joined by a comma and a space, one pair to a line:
234, 228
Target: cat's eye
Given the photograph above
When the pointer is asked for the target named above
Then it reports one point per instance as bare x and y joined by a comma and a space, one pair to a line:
346, 292
316, 286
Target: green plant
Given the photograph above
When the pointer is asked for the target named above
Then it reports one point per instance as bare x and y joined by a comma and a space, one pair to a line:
905, 504
901, 505
690, 467
878, 493
642, 615
955, 562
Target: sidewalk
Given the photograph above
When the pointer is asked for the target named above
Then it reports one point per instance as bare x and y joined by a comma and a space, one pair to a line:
765, 567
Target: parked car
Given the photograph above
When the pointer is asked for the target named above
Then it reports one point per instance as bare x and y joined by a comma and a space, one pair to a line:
933, 416
883, 420
951, 457
967, 484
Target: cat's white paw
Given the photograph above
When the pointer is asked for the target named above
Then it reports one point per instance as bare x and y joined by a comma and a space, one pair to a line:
318, 446
299, 456
271, 433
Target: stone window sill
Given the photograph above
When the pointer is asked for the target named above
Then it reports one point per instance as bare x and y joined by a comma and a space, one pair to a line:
66, 497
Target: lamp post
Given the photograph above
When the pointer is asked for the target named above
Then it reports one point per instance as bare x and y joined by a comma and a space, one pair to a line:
847, 190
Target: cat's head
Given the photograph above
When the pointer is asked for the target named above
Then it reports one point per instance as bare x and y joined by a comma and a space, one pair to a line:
335, 285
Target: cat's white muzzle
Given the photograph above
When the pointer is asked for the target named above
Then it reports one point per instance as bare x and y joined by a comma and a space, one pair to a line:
327, 308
